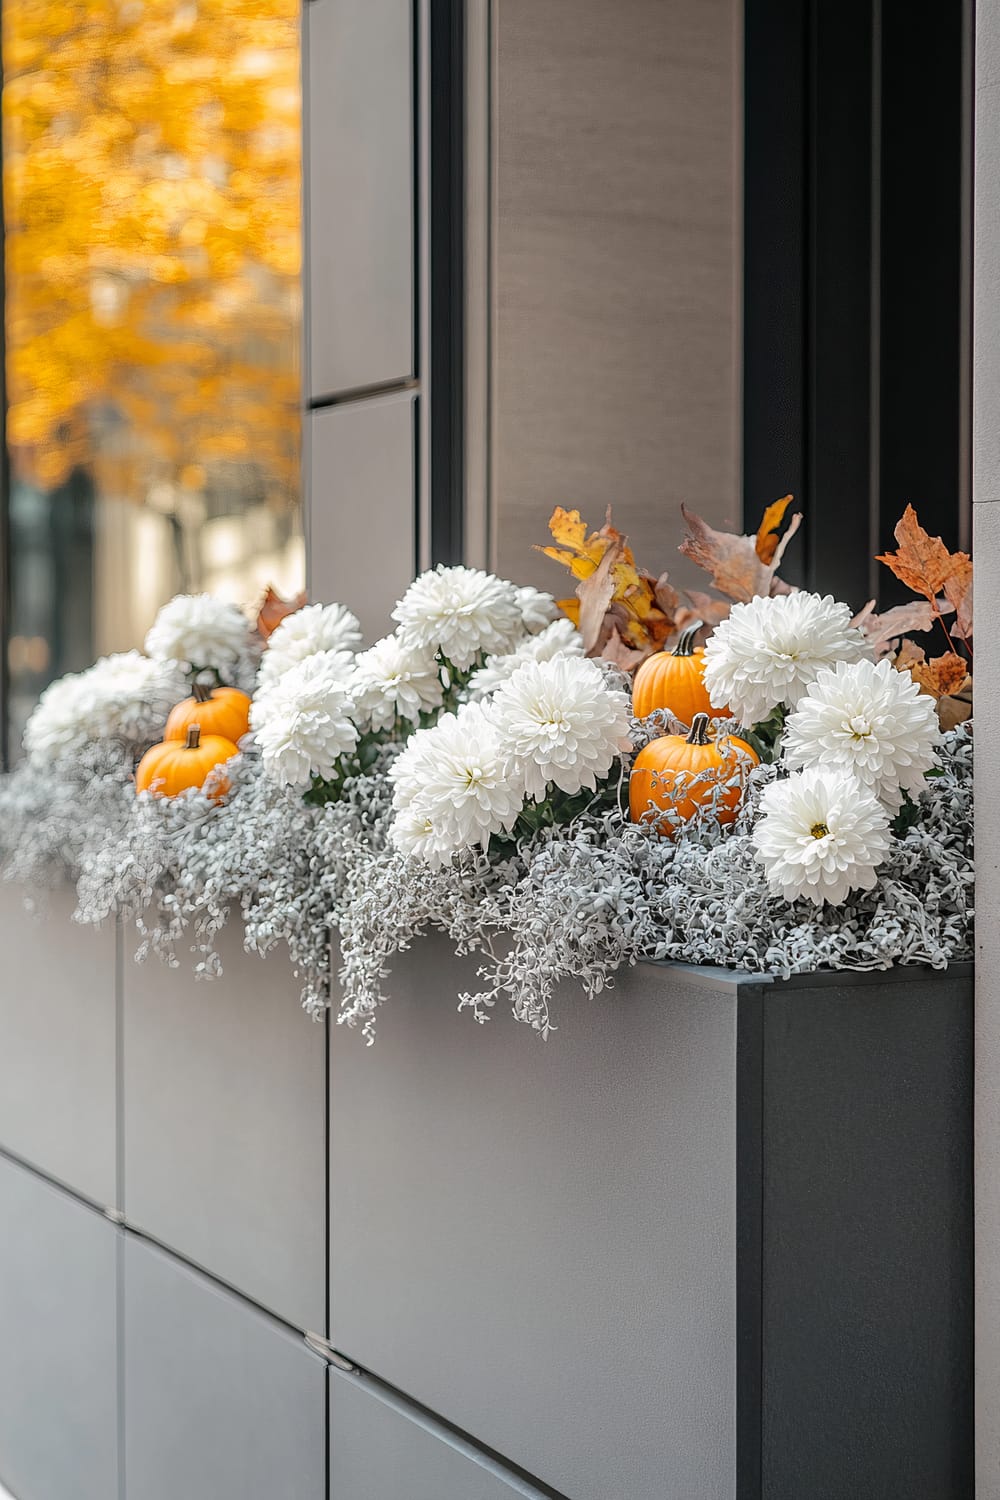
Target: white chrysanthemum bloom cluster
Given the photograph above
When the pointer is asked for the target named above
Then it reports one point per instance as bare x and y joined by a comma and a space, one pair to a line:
554, 723
537, 609
394, 680
867, 718
462, 613
125, 697
303, 723
454, 786
770, 651
314, 628
823, 835
201, 631
561, 638
561, 724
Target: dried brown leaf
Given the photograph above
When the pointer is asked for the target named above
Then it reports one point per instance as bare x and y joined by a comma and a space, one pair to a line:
731, 559
922, 561
941, 676
596, 593
274, 609
766, 540
883, 630
958, 592
621, 653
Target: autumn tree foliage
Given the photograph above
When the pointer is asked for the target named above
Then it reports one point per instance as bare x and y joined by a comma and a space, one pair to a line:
152, 206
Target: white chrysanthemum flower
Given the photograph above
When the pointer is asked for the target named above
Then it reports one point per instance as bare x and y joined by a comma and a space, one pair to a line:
200, 630
561, 638
869, 719
394, 680
316, 627
769, 651
303, 723
454, 786
461, 612
125, 696
823, 834
562, 724
537, 609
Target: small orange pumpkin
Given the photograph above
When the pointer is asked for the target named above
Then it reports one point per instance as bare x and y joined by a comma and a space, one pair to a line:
674, 680
663, 774
216, 710
173, 766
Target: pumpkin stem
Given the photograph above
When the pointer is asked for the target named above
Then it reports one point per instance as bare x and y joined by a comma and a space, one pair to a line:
698, 733
685, 645
201, 692
194, 736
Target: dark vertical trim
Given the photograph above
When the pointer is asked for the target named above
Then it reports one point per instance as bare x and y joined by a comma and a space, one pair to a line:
774, 261
749, 1240
839, 251
445, 320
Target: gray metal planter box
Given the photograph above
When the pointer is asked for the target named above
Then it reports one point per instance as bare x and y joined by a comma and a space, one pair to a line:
713, 1239
381, 1448
58, 1352
225, 1125
221, 1402
58, 1037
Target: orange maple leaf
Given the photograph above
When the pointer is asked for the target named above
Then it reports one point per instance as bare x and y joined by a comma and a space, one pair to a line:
767, 538
941, 676
922, 561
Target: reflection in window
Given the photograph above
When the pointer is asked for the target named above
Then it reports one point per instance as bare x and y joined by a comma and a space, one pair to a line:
151, 177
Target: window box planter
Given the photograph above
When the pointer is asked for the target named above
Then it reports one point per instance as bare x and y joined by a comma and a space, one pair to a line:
714, 1238
58, 1041
224, 1086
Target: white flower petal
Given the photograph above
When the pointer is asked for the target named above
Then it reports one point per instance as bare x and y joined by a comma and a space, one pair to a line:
822, 835
870, 719
462, 613
200, 630
394, 680
316, 627
769, 651
562, 724
303, 723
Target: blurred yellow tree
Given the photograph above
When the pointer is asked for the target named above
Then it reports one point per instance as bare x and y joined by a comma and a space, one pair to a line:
152, 204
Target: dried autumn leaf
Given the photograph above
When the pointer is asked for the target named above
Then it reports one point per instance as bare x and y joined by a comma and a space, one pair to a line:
712, 611
908, 656
274, 609
621, 653
766, 540
639, 606
577, 551
882, 630
941, 676
958, 592
596, 593
733, 560
922, 561
955, 709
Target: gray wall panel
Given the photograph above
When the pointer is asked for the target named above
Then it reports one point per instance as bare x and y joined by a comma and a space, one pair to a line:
617, 258
58, 1361
221, 1402
57, 1043
362, 506
537, 1241
224, 1124
361, 200
381, 1449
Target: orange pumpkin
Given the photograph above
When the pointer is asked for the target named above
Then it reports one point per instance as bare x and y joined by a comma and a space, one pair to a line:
216, 710
663, 774
674, 680
175, 765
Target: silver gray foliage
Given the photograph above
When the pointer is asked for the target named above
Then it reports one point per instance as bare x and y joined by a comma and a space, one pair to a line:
580, 900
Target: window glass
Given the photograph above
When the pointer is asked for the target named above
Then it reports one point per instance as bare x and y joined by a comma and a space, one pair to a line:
151, 190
